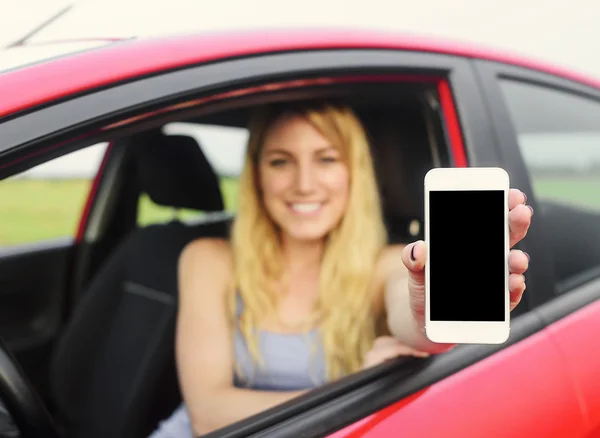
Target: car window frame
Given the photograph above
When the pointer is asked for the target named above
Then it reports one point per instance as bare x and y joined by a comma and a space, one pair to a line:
542, 285
99, 107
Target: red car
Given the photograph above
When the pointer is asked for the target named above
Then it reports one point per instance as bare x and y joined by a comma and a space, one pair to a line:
87, 319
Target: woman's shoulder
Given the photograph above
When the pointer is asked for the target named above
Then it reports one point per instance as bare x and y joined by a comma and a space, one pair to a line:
208, 254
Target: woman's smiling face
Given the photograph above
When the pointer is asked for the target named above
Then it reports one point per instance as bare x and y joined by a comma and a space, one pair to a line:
304, 180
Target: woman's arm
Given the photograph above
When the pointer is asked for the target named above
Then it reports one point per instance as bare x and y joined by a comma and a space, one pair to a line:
405, 315
204, 347
406, 322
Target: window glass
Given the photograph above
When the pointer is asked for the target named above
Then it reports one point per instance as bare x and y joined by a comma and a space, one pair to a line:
46, 201
224, 148
559, 137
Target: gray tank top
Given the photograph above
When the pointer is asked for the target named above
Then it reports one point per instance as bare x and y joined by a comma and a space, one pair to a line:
290, 361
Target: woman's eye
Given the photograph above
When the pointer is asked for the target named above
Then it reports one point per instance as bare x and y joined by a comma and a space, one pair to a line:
277, 162
328, 159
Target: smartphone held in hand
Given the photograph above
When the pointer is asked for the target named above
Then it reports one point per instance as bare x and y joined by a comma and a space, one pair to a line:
467, 298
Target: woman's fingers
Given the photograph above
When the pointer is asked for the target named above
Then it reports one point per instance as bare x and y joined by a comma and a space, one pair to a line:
518, 261
516, 197
519, 220
516, 286
519, 216
414, 256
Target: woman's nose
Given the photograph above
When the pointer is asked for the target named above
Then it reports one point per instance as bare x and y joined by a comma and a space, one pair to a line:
305, 178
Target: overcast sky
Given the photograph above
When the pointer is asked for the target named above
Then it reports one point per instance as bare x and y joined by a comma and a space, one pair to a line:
559, 31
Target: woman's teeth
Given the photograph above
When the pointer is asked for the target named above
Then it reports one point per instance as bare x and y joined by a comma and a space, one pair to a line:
306, 207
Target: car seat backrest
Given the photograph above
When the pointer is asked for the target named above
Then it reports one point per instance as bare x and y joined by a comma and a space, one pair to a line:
402, 156
113, 373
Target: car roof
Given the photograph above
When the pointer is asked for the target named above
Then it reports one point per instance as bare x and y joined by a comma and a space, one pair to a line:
124, 60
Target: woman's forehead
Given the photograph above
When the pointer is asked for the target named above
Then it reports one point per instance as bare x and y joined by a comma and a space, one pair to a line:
294, 132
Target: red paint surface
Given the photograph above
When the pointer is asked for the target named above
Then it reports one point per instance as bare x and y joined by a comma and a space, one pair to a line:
91, 198
452, 125
578, 338
22, 88
524, 391
547, 385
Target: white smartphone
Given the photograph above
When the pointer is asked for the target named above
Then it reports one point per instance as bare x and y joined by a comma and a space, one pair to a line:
467, 298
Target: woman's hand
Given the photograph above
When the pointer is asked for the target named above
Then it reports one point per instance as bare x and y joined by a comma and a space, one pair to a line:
414, 255
386, 348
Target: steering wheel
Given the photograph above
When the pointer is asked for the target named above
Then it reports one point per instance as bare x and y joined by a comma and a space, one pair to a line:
27, 409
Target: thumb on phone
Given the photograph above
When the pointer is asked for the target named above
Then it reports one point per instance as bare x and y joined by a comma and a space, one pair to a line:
414, 256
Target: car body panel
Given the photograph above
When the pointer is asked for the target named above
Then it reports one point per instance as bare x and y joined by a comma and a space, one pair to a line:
576, 337
126, 60
489, 398
506, 394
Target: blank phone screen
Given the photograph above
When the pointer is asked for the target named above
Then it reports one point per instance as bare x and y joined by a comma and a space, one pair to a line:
466, 255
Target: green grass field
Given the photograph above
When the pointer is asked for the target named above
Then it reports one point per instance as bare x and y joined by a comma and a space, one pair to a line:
33, 210
584, 191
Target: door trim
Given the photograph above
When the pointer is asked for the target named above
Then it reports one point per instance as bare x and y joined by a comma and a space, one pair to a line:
81, 114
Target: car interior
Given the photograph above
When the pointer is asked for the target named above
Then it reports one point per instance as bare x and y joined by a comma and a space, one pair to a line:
115, 359
112, 371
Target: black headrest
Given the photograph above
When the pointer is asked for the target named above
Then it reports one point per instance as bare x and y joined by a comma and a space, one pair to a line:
174, 172
402, 157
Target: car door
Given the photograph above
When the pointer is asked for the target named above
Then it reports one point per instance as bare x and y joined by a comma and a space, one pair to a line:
550, 125
399, 395
524, 387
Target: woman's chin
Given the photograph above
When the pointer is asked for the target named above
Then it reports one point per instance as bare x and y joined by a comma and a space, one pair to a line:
307, 235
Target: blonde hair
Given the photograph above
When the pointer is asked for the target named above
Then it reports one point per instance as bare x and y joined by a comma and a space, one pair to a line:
345, 302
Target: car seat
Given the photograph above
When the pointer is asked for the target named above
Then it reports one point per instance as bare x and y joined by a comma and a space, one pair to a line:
113, 372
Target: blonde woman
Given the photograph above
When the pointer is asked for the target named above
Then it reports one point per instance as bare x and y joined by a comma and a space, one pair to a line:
307, 290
